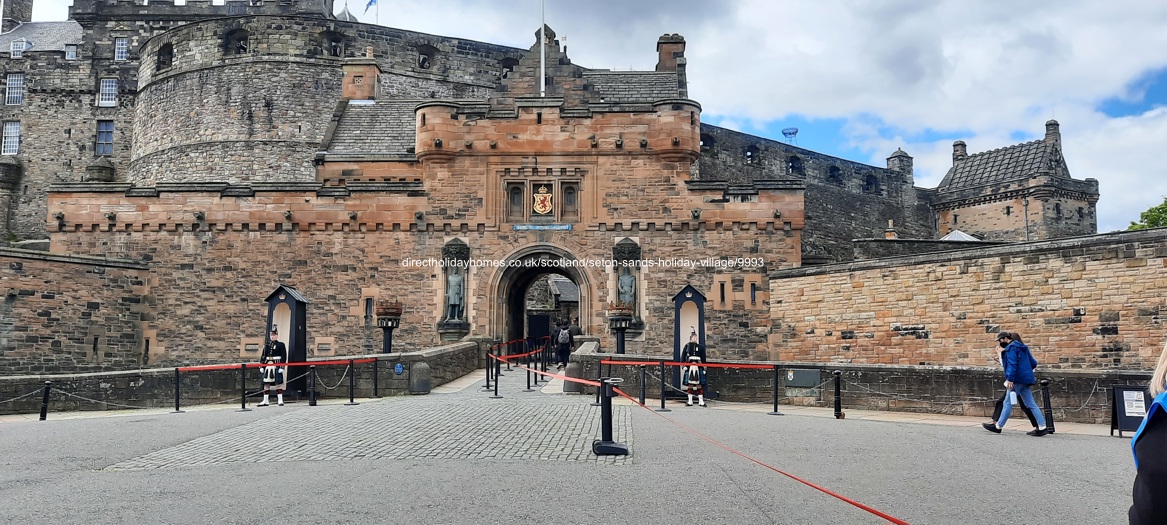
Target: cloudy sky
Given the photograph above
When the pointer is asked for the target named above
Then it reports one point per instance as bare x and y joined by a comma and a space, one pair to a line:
861, 78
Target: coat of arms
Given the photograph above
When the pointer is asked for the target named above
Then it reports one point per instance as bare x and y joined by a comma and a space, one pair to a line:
543, 201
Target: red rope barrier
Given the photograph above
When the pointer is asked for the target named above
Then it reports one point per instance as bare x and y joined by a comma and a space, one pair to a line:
236, 366
683, 363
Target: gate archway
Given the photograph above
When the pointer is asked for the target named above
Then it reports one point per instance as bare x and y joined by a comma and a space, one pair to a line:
522, 268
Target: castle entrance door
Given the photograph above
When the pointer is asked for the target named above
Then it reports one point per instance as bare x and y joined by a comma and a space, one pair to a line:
536, 290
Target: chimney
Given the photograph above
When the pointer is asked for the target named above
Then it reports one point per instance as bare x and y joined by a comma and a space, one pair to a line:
362, 78
890, 232
1053, 134
669, 48
959, 152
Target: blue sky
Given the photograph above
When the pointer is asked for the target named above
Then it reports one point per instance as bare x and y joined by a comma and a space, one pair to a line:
860, 78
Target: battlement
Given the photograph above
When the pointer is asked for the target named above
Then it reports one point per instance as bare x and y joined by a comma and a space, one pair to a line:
93, 10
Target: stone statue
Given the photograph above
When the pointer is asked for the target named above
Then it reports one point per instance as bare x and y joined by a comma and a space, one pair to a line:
454, 294
626, 288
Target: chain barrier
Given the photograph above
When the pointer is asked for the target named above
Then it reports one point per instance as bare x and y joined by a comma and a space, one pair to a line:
326, 387
108, 403
21, 397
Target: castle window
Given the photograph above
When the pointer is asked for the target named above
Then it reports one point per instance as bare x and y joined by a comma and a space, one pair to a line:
14, 90
1081, 213
752, 154
71, 52
425, 56
333, 43
121, 49
235, 43
871, 184
165, 56
11, 141
753, 293
570, 202
1008, 211
508, 66
16, 49
834, 175
794, 165
107, 95
104, 144
515, 206
1058, 209
706, 142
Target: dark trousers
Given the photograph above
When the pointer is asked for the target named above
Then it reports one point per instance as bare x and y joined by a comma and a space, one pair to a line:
1001, 403
562, 352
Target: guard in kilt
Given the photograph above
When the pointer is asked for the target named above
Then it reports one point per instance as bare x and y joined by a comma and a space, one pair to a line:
693, 377
274, 377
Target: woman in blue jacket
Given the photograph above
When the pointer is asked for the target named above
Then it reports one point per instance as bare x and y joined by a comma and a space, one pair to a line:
1019, 364
1150, 444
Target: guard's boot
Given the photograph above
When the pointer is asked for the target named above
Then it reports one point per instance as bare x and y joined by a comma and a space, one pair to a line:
280, 398
701, 399
264, 402
690, 402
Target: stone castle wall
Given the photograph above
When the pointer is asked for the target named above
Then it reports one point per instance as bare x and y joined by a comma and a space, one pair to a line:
1082, 303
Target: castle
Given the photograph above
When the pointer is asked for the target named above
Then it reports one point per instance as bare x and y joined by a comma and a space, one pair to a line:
201, 156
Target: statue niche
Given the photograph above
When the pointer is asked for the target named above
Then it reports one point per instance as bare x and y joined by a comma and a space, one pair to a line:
455, 265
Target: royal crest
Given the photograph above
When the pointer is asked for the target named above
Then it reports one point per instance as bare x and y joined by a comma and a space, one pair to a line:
543, 201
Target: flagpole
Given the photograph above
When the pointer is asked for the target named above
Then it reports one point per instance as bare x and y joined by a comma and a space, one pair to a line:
542, 49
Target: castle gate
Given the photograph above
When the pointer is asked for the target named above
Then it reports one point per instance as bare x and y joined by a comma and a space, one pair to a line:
509, 284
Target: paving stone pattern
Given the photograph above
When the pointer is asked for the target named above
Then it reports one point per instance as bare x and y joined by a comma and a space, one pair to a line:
522, 426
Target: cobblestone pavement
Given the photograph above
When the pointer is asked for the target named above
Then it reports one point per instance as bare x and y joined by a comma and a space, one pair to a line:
528, 426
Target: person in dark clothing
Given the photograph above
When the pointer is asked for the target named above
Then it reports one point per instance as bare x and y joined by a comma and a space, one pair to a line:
1005, 396
564, 342
274, 377
1150, 449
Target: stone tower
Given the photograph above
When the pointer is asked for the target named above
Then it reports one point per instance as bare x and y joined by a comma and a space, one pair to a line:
16, 12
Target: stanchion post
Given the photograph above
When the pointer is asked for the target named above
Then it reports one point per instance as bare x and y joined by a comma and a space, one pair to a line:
1049, 409
352, 383
600, 378
777, 378
838, 394
489, 364
508, 354
376, 369
312, 385
606, 446
528, 389
642, 378
662, 389
177, 390
45, 401
243, 388
497, 371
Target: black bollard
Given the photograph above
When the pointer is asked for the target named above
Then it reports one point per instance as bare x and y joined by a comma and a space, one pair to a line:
376, 368
1049, 409
352, 382
606, 446
312, 386
177, 394
243, 388
508, 354
662, 389
838, 395
528, 389
642, 376
497, 371
599, 377
776, 380
45, 401
489, 364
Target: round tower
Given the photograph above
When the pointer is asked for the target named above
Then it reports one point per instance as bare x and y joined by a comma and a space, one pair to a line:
244, 99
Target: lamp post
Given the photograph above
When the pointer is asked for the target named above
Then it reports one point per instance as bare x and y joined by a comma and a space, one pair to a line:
620, 323
388, 318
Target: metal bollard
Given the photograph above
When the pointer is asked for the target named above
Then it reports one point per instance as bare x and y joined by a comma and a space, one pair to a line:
376, 368
352, 382
508, 354
243, 388
528, 389
838, 395
177, 387
1049, 409
312, 386
45, 400
497, 371
606, 446
776, 380
599, 377
662, 389
642, 378
489, 363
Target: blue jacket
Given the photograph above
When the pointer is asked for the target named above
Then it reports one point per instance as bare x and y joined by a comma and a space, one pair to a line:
1149, 493
1156, 409
1019, 364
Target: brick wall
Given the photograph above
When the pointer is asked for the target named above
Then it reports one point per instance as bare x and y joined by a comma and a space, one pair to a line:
1083, 303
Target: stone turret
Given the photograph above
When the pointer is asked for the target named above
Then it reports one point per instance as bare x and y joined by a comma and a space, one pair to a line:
1053, 134
900, 161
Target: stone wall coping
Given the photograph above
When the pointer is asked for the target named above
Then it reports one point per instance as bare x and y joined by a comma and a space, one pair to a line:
981, 252
90, 260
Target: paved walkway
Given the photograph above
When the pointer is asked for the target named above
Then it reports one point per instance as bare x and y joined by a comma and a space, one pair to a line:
459, 456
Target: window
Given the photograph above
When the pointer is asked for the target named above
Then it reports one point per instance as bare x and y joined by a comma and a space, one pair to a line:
107, 95
834, 175
794, 165
706, 142
11, 142
236, 42
165, 57
515, 206
71, 52
752, 154
121, 49
14, 92
871, 184
104, 144
570, 202
18, 47
753, 293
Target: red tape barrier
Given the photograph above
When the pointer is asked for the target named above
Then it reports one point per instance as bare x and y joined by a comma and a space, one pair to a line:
840, 497
236, 366
682, 363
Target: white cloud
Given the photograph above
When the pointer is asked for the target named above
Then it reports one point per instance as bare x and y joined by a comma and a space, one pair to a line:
983, 69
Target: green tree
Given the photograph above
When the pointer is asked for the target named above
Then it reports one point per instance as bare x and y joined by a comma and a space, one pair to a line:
1155, 217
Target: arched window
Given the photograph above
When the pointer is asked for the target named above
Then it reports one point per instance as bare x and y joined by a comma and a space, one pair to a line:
570, 202
515, 202
752, 154
794, 165
236, 42
333, 44
165, 57
871, 184
425, 56
834, 175
706, 142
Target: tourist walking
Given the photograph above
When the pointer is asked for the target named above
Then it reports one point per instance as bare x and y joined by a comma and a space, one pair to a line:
1150, 445
1005, 400
1019, 365
564, 342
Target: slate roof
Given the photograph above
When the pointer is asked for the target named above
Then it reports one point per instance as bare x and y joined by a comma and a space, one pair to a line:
632, 86
385, 127
43, 36
565, 289
1001, 165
